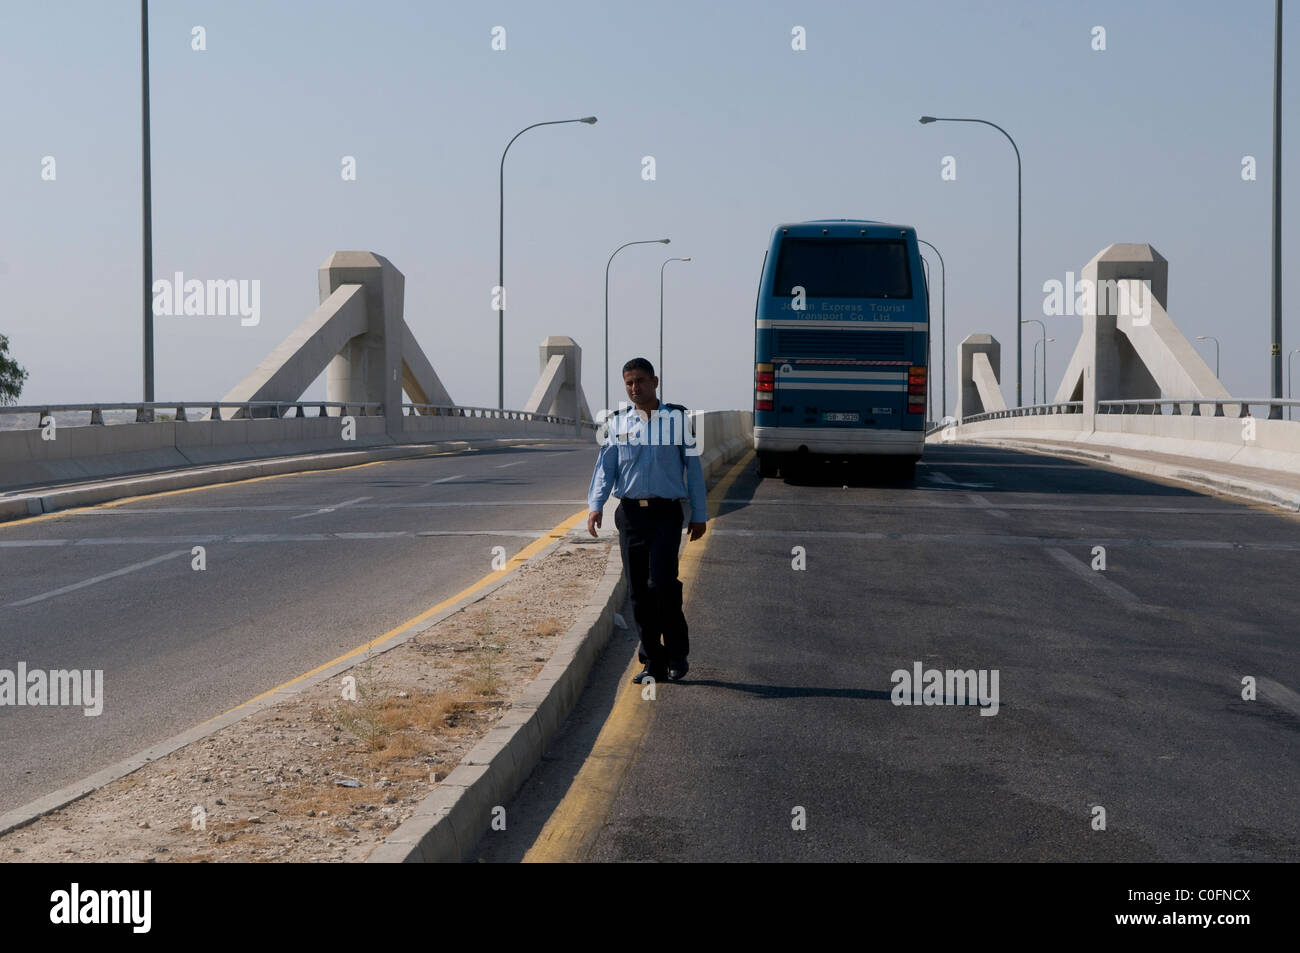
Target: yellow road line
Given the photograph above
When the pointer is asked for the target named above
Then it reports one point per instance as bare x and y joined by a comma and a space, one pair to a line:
572, 829
79, 510
558, 531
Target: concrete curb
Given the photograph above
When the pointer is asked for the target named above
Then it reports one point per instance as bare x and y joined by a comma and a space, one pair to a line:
34, 810
451, 820
21, 504
1227, 484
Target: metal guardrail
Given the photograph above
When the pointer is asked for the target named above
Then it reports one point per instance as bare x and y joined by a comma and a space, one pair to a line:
452, 410
1176, 403
1143, 405
1032, 410
145, 411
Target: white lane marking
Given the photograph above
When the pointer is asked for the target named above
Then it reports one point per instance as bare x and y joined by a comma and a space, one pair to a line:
943, 479
90, 582
534, 533
172, 510
443, 480
1280, 695
331, 509
986, 505
1095, 578
1064, 506
152, 540
998, 539
500, 466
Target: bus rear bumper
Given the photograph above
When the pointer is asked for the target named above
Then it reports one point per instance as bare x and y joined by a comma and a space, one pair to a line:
839, 440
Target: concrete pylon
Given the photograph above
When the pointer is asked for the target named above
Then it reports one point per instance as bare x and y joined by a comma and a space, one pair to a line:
1129, 347
980, 357
559, 388
358, 337
366, 367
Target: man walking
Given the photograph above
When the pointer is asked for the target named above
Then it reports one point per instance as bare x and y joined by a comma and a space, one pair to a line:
650, 460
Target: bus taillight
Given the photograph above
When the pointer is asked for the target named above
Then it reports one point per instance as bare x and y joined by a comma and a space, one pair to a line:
764, 385
916, 390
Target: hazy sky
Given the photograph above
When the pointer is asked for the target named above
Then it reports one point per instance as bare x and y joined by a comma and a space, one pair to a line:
1141, 142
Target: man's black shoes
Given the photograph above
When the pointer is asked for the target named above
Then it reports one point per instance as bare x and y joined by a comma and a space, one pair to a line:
676, 672
647, 673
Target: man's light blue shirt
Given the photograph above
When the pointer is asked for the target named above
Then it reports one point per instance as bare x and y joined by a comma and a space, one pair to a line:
655, 459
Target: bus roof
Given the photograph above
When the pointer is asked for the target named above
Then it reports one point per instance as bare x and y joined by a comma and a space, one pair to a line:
818, 223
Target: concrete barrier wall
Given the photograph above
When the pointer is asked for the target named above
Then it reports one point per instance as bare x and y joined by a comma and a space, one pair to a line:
86, 452
724, 436
1276, 443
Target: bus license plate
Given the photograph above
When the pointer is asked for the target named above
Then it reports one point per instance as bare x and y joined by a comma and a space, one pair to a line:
834, 417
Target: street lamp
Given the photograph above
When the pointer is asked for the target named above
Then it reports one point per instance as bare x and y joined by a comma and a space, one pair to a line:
147, 204
661, 325
1044, 337
1044, 343
648, 241
929, 391
1275, 412
501, 255
943, 329
1211, 337
929, 119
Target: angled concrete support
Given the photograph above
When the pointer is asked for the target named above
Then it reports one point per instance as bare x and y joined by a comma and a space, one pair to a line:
419, 379
299, 359
559, 389
358, 337
981, 367
1129, 347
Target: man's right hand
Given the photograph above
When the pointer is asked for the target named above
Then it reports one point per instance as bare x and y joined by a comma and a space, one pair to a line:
593, 521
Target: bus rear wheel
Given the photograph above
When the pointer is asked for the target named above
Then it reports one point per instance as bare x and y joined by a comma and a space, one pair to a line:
767, 464
905, 471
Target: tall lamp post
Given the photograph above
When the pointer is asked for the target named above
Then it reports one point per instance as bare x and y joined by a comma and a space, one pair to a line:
943, 329
1044, 342
1275, 412
1019, 230
147, 212
661, 324
1211, 337
648, 241
501, 254
1288, 379
929, 391
1043, 328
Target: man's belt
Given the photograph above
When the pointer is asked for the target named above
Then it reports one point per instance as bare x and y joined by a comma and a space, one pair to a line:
646, 501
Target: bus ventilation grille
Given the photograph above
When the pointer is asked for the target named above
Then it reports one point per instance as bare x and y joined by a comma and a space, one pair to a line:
836, 343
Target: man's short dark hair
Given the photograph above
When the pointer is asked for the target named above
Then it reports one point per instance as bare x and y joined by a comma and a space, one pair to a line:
639, 364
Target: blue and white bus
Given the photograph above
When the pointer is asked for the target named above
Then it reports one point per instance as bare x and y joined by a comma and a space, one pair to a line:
841, 341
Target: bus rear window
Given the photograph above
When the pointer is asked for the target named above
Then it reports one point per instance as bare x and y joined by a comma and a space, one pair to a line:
843, 268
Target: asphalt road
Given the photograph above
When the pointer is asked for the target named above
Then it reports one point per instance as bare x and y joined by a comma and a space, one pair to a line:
1118, 689
300, 569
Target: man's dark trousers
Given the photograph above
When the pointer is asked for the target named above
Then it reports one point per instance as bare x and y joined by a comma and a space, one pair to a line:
649, 537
